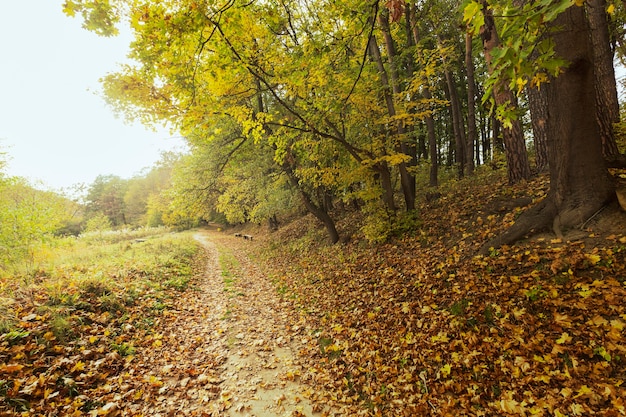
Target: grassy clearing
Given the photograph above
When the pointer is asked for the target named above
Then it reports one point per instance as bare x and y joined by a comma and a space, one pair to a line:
90, 304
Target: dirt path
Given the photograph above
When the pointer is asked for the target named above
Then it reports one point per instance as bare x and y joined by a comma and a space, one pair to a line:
226, 349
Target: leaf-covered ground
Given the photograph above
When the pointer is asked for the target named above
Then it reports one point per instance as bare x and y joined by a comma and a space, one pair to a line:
421, 326
72, 332
159, 328
416, 327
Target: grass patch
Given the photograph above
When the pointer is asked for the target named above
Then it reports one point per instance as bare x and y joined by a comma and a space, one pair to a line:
92, 295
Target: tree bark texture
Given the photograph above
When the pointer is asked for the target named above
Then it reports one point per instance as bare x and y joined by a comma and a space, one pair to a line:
471, 106
317, 210
515, 146
538, 104
430, 122
607, 110
579, 181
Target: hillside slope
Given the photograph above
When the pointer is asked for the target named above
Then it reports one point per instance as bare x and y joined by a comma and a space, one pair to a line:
422, 326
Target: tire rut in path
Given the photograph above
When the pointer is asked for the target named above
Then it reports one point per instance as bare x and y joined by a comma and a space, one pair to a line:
226, 349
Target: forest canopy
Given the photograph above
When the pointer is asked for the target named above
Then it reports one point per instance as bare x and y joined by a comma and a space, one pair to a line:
365, 105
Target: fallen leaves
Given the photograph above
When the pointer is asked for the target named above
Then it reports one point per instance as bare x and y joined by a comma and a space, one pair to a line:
534, 329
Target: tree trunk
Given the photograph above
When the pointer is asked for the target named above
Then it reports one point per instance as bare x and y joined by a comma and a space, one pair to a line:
471, 106
579, 181
607, 110
317, 211
515, 146
458, 127
430, 122
407, 180
537, 102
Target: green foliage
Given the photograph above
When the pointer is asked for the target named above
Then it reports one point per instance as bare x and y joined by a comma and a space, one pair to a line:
526, 54
28, 218
381, 224
98, 223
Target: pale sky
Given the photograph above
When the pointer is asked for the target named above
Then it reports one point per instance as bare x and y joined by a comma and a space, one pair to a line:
54, 125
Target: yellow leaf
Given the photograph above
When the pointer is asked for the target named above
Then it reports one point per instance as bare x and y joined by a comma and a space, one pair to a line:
585, 291
566, 392
584, 390
565, 338
510, 406
11, 368
610, 9
405, 308
593, 258
445, 370
79, 366
154, 381
598, 321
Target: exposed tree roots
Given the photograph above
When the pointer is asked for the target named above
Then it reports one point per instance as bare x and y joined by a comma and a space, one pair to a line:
544, 216
535, 219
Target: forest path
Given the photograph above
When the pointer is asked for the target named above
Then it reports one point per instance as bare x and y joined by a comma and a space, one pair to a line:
227, 348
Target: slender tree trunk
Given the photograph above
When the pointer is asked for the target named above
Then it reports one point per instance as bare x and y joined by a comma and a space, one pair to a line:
317, 210
471, 106
515, 146
579, 181
607, 112
538, 104
458, 127
430, 122
383, 169
406, 179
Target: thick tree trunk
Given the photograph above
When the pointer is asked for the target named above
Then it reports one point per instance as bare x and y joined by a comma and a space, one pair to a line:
579, 181
515, 146
607, 110
471, 106
538, 104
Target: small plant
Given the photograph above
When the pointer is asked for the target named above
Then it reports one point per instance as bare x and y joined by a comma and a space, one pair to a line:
601, 351
535, 293
178, 283
124, 349
458, 308
111, 303
61, 327
15, 336
489, 314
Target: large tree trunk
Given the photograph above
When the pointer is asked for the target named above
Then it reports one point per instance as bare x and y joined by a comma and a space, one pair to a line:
515, 146
607, 110
579, 181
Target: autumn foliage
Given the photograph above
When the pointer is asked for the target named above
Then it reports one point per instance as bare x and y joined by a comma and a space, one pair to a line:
420, 326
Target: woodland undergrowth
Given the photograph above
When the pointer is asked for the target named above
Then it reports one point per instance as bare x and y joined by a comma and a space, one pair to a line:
421, 326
